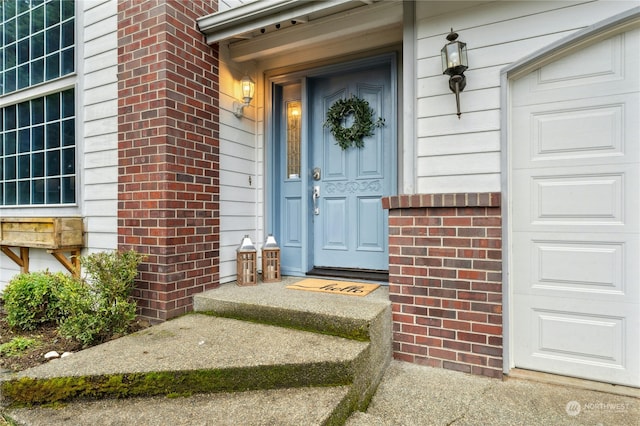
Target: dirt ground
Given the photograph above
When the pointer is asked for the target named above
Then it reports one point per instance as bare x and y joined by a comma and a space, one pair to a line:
47, 339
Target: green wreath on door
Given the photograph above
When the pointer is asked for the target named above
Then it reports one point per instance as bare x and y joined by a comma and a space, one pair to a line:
363, 125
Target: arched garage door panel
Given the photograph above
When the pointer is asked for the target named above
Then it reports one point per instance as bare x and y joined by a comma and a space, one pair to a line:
575, 218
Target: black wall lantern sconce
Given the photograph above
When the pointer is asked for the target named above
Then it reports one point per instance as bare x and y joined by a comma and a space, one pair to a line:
454, 64
248, 87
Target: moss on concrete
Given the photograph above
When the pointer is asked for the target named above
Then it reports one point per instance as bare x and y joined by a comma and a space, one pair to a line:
29, 391
312, 322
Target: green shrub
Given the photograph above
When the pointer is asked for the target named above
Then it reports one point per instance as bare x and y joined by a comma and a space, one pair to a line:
32, 299
101, 307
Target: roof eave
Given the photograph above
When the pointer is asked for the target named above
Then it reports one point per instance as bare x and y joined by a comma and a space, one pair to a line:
253, 16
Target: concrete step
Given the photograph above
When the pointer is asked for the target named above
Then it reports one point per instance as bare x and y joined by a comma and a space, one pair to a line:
366, 318
251, 355
192, 354
353, 317
283, 407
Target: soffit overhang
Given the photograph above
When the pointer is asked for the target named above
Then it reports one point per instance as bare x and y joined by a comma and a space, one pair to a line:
264, 28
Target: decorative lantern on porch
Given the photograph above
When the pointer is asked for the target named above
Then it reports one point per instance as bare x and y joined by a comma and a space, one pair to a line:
246, 259
270, 260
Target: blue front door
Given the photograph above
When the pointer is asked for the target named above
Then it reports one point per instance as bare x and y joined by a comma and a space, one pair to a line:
348, 224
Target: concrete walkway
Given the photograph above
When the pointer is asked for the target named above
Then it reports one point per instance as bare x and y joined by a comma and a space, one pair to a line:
409, 395
415, 395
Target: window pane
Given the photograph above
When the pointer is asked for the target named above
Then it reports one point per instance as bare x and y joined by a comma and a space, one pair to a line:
9, 193
52, 13
67, 10
68, 161
23, 76
37, 189
37, 19
23, 51
10, 31
67, 61
23, 192
293, 139
37, 46
10, 168
10, 81
67, 34
53, 191
53, 106
53, 135
10, 143
37, 72
10, 117
24, 167
9, 9
10, 56
37, 111
69, 190
68, 133
53, 163
37, 138
53, 39
24, 114
52, 66
23, 6
24, 25
24, 140
68, 104
37, 165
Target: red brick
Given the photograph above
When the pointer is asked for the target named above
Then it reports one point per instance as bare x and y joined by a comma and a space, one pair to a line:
472, 337
456, 345
442, 354
428, 341
465, 368
489, 372
487, 350
456, 325
463, 277
487, 329
148, 127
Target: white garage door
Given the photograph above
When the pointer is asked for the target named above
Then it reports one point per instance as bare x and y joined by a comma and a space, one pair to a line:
575, 213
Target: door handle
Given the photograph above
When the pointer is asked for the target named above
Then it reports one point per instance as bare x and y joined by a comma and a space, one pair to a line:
315, 195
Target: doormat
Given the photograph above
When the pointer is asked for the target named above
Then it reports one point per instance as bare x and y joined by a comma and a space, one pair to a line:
348, 288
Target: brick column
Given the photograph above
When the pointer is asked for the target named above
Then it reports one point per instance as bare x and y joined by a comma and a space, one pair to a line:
168, 151
445, 280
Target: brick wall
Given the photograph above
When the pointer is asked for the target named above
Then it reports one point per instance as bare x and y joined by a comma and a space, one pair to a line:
168, 144
445, 281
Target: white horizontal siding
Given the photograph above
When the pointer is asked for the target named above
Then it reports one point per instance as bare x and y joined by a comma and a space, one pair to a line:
239, 210
100, 113
462, 155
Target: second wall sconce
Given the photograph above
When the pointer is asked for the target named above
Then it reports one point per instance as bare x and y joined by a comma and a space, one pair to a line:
454, 64
248, 88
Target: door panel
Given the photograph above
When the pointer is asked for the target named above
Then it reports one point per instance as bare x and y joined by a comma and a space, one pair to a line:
350, 229
575, 227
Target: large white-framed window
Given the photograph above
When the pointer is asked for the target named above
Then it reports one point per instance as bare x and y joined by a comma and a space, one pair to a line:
37, 103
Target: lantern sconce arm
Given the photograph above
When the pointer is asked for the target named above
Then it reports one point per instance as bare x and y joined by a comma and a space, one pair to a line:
454, 64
